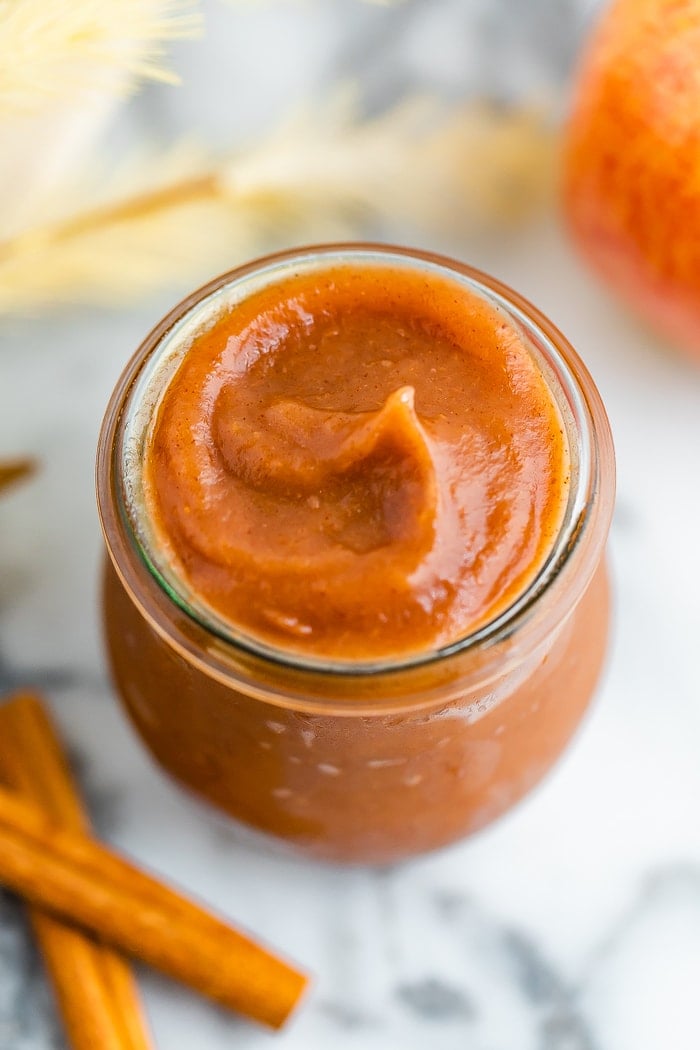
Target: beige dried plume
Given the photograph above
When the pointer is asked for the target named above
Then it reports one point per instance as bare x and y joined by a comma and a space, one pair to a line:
52, 50
66, 65
324, 174
179, 216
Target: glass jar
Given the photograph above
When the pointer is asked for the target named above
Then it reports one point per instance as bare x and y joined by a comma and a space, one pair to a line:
373, 762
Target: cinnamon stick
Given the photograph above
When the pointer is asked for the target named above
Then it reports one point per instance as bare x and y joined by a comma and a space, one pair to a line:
12, 470
93, 986
71, 876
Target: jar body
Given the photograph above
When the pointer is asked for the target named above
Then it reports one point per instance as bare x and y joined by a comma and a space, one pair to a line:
373, 763
374, 788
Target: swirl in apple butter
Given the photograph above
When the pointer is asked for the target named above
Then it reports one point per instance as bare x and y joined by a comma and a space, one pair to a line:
358, 463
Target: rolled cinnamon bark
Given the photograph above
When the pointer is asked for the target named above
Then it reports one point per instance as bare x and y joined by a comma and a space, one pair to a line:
74, 878
95, 991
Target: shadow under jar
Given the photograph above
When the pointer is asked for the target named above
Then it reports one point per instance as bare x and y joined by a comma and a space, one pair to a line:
350, 757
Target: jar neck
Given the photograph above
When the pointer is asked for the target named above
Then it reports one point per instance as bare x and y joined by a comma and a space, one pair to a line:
293, 680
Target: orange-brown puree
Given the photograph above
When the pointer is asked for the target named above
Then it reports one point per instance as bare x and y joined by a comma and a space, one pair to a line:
357, 463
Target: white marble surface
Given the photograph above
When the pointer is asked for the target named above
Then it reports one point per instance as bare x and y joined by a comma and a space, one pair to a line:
573, 923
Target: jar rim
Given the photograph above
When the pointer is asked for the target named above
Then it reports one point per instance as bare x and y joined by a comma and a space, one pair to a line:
575, 392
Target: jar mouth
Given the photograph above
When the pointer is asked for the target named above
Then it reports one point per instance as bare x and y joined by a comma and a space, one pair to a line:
158, 359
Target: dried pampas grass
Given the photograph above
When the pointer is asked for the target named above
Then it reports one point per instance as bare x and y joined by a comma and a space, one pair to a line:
183, 217
180, 216
54, 50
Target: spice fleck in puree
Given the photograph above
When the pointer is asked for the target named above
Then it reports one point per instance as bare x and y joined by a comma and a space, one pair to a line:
358, 464
336, 465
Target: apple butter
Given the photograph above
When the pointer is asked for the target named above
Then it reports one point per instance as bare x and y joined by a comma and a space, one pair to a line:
355, 501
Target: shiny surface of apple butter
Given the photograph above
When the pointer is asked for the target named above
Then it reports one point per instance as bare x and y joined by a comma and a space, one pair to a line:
358, 463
